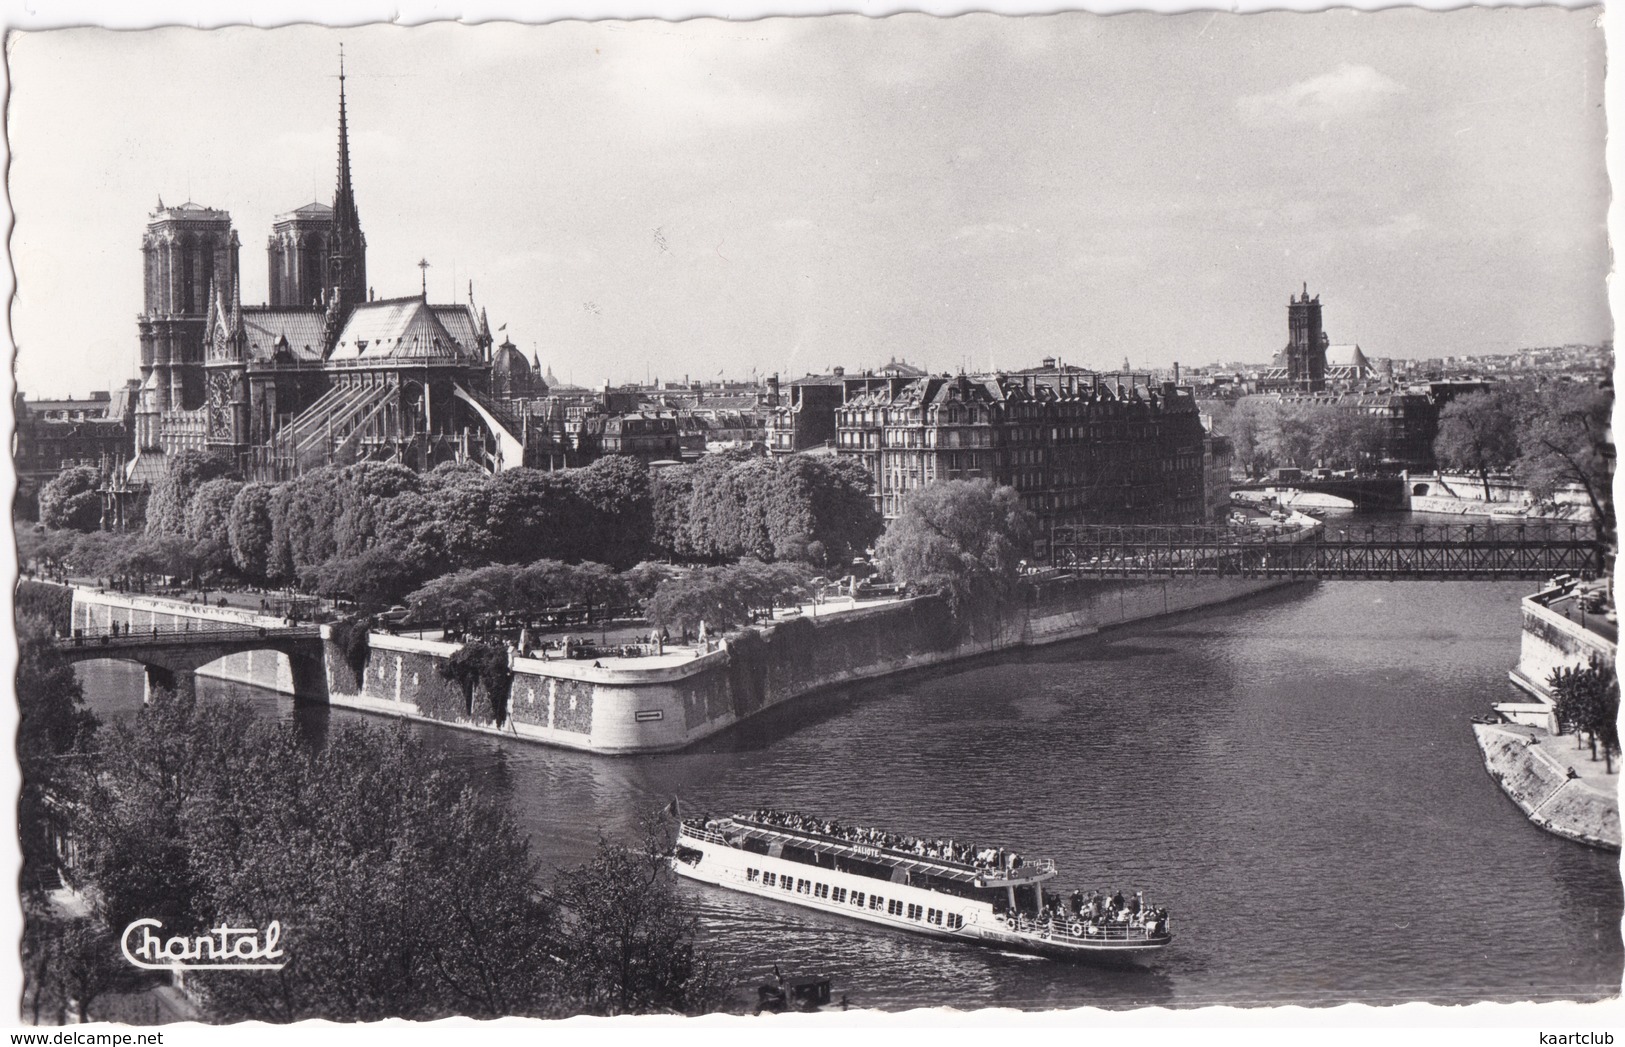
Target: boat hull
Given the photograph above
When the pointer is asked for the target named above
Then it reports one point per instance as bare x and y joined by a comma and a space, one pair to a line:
901, 906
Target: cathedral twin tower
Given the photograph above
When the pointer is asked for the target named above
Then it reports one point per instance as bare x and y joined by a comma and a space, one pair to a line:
317, 254
323, 373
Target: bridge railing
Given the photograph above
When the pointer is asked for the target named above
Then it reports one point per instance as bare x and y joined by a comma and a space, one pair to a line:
136, 636
1220, 536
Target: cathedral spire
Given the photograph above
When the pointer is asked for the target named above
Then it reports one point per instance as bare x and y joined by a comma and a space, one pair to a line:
347, 255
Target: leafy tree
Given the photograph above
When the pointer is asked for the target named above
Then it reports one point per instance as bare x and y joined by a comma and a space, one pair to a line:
362, 489
460, 502
1588, 703
375, 578
402, 890
1478, 433
1245, 425
1348, 438
54, 732
172, 494
71, 501
1290, 434
44, 547
632, 943
208, 522
723, 597
964, 538
248, 531
1564, 437
615, 489
67, 963
304, 522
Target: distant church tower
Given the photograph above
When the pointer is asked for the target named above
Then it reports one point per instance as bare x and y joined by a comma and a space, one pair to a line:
186, 252
347, 247
1307, 344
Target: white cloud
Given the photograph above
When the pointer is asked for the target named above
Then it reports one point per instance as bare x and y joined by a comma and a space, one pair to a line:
1348, 90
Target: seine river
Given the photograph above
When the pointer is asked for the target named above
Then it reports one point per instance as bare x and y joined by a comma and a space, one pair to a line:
1294, 776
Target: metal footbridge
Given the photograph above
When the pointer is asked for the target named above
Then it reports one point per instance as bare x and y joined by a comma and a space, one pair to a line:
1526, 550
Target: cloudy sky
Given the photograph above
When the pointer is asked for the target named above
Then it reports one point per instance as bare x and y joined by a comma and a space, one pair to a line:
661, 199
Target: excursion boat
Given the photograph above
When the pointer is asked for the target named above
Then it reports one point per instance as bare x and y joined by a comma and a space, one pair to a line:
989, 896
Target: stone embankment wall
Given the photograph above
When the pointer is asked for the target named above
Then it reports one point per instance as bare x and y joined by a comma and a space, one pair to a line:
1463, 495
1539, 784
626, 710
1551, 641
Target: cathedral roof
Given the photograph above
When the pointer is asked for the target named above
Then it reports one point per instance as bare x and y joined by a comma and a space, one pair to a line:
264, 326
459, 322
399, 329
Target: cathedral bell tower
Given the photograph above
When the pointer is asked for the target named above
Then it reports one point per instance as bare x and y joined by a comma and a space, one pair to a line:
186, 252
1306, 345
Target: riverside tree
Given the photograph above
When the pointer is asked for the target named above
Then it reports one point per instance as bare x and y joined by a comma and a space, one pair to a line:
1564, 437
66, 962
633, 944
402, 889
1588, 703
963, 538
1478, 433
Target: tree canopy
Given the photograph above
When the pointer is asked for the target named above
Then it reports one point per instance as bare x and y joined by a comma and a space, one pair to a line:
402, 888
964, 538
71, 500
1587, 700
1478, 433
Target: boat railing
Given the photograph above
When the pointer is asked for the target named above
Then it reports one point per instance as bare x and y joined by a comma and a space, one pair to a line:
700, 834
1078, 929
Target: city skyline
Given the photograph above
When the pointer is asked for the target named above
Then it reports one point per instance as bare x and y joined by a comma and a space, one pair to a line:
977, 192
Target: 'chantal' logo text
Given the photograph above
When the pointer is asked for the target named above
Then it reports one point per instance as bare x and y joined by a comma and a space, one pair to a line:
222, 948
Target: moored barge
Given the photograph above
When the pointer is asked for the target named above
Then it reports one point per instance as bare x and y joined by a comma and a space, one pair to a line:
939, 888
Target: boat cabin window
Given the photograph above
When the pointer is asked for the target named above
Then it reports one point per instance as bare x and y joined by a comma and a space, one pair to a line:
770, 879
857, 898
894, 908
934, 916
955, 921
821, 891
840, 894
803, 886
751, 874
876, 901
914, 911
788, 883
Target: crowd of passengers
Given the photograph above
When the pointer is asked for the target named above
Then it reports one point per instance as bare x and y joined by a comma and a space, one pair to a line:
980, 858
1098, 913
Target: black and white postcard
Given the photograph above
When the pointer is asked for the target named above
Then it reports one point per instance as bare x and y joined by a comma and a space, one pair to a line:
818, 520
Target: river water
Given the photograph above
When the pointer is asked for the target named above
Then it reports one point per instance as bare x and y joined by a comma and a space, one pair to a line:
1294, 776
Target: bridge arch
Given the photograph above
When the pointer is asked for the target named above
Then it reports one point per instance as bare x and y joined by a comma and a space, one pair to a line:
170, 658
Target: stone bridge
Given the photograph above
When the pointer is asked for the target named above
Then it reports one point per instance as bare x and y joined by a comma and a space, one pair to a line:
171, 656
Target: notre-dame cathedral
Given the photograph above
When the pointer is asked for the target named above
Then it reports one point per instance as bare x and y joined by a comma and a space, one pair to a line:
324, 372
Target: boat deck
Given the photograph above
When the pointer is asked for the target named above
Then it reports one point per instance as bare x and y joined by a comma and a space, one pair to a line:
1030, 871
